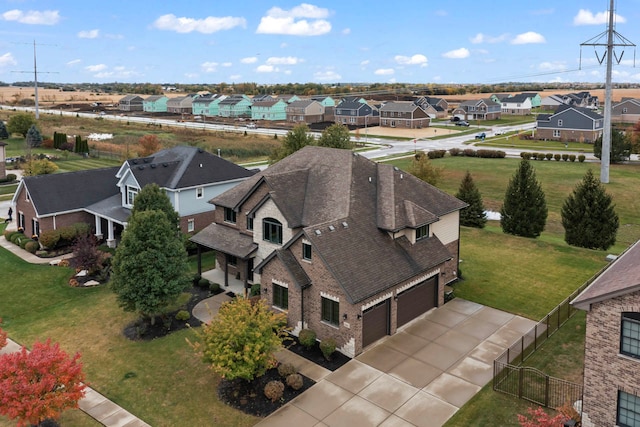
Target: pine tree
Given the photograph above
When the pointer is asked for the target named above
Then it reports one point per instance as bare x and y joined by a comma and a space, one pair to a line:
34, 139
152, 197
588, 215
524, 211
473, 215
4, 134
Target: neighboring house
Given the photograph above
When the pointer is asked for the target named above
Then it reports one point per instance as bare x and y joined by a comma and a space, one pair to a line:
354, 99
478, 109
612, 344
181, 104
3, 157
517, 105
354, 113
498, 97
131, 103
403, 114
273, 109
552, 102
260, 98
436, 108
103, 198
329, 105
235, 106
626, 111
535, 97
155, 104
288, 98
200, 105
347, 247
578, 99
570, 124
305, 111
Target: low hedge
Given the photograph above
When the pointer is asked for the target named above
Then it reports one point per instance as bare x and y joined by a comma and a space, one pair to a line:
548, 156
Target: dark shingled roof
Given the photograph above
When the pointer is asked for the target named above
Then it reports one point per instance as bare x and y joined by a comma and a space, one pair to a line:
225, 239
70, 191
620, 278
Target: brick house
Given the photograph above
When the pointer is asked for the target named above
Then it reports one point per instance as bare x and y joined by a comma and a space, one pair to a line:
403, 114
347, 247
478, 109
104, 197
306, 111
626, 111
612, 343
570, 124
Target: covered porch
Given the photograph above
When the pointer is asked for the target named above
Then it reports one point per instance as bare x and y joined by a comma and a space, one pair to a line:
110, 217
217, 276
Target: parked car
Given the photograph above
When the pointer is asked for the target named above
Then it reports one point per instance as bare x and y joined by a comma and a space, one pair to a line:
251, 125
481, 136
462, 123
455, 119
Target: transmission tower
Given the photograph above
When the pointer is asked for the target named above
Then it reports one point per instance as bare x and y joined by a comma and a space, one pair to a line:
35, 77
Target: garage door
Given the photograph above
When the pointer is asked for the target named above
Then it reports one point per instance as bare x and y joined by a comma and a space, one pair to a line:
375, 323
417, 300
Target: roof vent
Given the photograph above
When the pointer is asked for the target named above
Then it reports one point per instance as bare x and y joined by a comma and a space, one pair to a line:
331, 228
395, 168
200, 150
146, 160
153, 165
344, 224
141, 167
134, 161
165, 164
200, 164
318, 232
369, 179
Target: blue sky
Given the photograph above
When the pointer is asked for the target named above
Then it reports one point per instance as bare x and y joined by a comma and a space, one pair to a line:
328, 41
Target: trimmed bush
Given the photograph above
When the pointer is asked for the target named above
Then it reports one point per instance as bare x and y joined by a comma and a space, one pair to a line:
23, 242
204, 283
572, 157
255, 289
454, 152
525, 155
295, 381
274, 390
286, 369
307, 338
436, 154
328, 347
214, 288
581, 158
49, 238
557, 157
183, 315
565, 157
469, 152
491, 154
32, 246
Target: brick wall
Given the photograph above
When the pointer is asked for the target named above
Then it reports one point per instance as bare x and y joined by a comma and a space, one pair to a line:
606, 370
568, 135
201, 220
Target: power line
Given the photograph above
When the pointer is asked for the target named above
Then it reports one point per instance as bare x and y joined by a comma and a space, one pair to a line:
35, 75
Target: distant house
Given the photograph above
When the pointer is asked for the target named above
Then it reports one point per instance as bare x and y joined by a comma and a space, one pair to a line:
354, 113
354, 99
517, 105
498, 97
612, 344
288, 98
577, 99
570, 124
200, 105
626, 111
403, 114
552, 102
305, 111
103, 198
329, 105
155, 104
273, 109
235, 106
342, 245
478, 109
181, 104
131, 103
535, 97
436, 108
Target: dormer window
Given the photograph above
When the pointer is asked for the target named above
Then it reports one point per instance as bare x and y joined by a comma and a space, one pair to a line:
229, 215
131, 195
422, 232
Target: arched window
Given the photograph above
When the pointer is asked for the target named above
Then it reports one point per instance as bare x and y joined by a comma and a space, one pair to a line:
272, 230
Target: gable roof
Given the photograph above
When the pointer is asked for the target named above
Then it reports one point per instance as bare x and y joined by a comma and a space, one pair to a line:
302, 103
400, 106
154, 98
621, 277
516, 99
183, 167
584, 111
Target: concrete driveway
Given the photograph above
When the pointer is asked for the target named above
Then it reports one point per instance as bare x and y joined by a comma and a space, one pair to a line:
418, 377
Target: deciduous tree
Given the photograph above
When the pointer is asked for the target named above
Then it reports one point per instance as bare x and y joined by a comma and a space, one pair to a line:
152, 197
295, 139
422, 168
588, 215
39, 167
150, 264
539, 418
336, 136
241, 340
86, 255
41, 384
149, 144
473, 215
620, 147
524, 210
20, 123
3, 337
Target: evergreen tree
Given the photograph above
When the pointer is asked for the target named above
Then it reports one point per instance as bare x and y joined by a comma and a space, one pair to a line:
336, 136
34, 139
588, 216
152, 197
620, 147
150, 264
4, 134
473, 215
524, 211
295, 139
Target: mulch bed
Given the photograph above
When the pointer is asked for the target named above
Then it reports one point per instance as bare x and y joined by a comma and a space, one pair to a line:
314, 354
248, 396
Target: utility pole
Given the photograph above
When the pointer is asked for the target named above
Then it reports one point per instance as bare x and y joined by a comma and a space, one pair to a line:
35, 78
613, 38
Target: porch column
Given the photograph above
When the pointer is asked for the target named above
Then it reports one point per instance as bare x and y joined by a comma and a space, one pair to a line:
111, 241
226, 270
246, 277
199, 260
98, 227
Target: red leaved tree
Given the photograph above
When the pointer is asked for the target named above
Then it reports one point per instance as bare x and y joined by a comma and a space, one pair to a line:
3, 337
150, 144
39, 385
539, 418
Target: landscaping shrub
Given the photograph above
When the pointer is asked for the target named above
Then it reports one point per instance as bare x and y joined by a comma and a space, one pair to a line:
549, 156
286, 369
557, 157
9, 178
183, 315
525, 155
274, 390
436, 154
307, 338
23, 242
565, 157
196, 279
491, 154
204, 283
49, 238
31, 246
214, 288
255, 289
455, 151
534, 156
15, 238
572, 157
469, 152
295, 381
581, 158
7, 234
328, 347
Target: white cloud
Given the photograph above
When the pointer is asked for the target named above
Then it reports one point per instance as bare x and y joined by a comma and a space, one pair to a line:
95, 68
289, 22
461, 53
91, 34
528, 38
249, 60
384, 71
365, 63
417, 59
266, 69
74, 62
283, 60
7, 59
114, 36
392, 80
483, 38
191, 75
32, 17
227, 64
586, 17
118, 73
208, 25
209, 67
327, 76
552, 66
346, 31
234, 77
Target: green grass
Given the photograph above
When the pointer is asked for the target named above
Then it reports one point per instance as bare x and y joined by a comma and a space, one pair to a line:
208, 262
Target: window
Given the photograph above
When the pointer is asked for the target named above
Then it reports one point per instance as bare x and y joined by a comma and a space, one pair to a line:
624, 111
306, 251
559, 122
330, 311
272, 230
232, 260
280, 297
35, 227
191, 225
628, 410
199, 193
131, 195
630, 334
249, 223
229, 215
422, 232
556, 133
